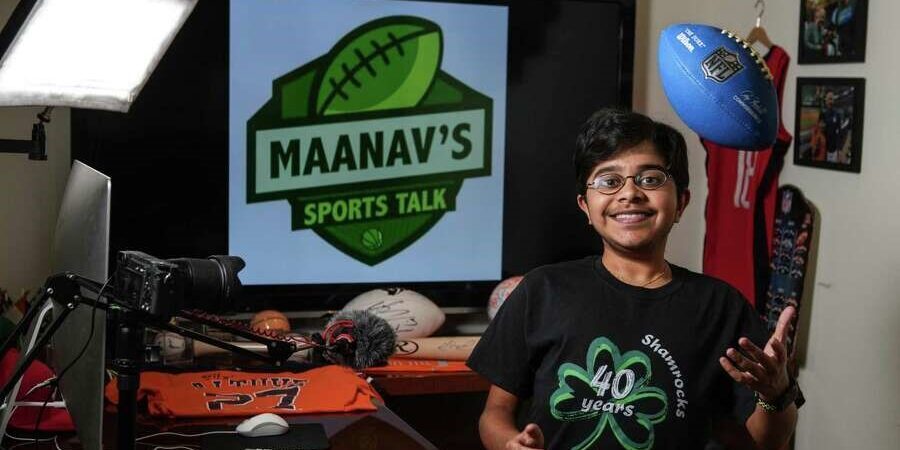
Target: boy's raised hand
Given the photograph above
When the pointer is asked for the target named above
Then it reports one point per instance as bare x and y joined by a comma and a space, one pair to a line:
764, 371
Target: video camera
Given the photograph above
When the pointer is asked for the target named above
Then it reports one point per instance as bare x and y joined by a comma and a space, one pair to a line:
163, 287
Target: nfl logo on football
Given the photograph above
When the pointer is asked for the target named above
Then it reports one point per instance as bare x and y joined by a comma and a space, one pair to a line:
721, 65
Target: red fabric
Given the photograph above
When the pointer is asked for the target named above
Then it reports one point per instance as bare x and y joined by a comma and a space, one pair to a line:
740, 207
223, 393
53, 419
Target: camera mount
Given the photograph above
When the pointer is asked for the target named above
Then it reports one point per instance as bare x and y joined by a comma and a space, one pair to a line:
129, 324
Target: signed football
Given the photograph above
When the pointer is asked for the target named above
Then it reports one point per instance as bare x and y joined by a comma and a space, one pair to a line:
719, 86
411, 314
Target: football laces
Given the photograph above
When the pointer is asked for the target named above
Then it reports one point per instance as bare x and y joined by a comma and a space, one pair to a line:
760, 62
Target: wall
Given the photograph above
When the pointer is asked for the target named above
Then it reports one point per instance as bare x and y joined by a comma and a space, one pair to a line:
30, 192
851, 374
852, 367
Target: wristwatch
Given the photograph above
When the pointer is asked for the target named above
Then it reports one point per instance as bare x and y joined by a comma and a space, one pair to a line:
790, 395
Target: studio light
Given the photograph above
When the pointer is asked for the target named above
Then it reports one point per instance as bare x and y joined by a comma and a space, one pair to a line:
93, 54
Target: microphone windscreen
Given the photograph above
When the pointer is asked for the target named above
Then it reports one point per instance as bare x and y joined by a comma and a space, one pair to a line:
373, 336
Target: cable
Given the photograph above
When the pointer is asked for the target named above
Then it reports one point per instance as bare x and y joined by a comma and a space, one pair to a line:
17, 438
37, 421
55, 443
90, 334
59, 376
187, 447
29, 441
183, 434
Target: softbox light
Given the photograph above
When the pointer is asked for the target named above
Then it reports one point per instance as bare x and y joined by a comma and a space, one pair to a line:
94, 54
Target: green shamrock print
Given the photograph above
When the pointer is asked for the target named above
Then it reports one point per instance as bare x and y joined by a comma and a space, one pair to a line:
614, 390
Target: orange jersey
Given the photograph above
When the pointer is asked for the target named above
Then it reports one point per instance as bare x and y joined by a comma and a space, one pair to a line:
231, 393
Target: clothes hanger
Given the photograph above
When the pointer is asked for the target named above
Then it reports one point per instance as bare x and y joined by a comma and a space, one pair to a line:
758, 33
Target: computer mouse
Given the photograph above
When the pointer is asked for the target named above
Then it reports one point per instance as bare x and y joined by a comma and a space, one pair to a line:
265, 424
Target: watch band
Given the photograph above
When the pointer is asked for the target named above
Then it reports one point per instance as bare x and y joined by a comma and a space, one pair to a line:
783, 401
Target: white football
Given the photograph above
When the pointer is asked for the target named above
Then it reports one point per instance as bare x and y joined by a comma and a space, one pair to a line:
410, 313
501, 293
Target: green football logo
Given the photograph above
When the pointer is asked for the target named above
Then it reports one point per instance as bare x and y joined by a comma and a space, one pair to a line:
371, 142
372, 238
386, 64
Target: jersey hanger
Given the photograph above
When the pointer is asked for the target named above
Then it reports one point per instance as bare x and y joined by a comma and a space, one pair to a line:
758, 33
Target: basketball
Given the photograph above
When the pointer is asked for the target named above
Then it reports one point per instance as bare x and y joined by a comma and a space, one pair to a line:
270, 321
500, 293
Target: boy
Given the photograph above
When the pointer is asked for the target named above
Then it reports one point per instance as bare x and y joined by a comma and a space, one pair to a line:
625, 350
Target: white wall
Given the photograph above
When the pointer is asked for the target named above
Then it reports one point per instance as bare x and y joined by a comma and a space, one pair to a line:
851, 375
30, 192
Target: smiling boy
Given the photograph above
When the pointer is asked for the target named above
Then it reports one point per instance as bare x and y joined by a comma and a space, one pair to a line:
625, 350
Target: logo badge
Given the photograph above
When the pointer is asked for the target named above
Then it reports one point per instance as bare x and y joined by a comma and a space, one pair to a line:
371, 142
721, 65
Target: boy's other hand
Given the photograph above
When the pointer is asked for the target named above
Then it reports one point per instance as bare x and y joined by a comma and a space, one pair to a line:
531, 438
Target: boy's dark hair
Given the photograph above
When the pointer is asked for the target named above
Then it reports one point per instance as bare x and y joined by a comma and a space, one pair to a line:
609, 131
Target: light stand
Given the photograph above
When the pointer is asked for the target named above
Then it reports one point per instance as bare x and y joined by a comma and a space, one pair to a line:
36, 148
128, 354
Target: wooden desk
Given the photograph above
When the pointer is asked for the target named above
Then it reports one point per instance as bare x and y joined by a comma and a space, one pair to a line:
443, 407
418, 383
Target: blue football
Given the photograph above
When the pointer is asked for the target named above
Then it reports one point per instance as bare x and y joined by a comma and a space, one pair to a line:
719, 86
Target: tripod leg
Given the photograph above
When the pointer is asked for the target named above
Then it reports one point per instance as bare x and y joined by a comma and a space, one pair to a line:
127, 362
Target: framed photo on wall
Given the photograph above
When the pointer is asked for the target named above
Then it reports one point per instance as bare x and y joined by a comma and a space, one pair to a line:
832, 31
829, 123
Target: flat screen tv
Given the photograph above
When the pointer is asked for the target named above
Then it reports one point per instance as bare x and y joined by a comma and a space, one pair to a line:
343, 145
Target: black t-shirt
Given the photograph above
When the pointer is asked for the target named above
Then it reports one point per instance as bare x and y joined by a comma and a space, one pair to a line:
608, 365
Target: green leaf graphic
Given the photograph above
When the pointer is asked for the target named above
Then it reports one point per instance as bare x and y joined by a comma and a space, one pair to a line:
574, 379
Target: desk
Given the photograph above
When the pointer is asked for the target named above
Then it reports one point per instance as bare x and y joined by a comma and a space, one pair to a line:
418, 383
443, 407
378, 430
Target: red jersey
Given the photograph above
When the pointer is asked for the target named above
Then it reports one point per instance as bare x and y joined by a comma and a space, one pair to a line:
740, 206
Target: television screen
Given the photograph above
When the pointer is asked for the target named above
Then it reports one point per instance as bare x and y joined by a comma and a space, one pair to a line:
365, 138
341, 145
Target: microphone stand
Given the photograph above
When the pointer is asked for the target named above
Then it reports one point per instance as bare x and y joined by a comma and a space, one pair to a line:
128, 354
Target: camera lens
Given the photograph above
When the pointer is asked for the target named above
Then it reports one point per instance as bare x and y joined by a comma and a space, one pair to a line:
210, 284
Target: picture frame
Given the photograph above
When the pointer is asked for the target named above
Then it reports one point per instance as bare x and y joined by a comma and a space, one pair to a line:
832, 31
829, 123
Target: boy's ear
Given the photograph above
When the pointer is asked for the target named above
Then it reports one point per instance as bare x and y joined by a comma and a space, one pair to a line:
582, 204
683, 199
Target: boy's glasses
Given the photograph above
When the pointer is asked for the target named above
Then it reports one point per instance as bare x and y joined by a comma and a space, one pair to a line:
610, 183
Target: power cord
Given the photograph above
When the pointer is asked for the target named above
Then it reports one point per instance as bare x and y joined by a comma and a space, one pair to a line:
162, 433
177, 447
29, 441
